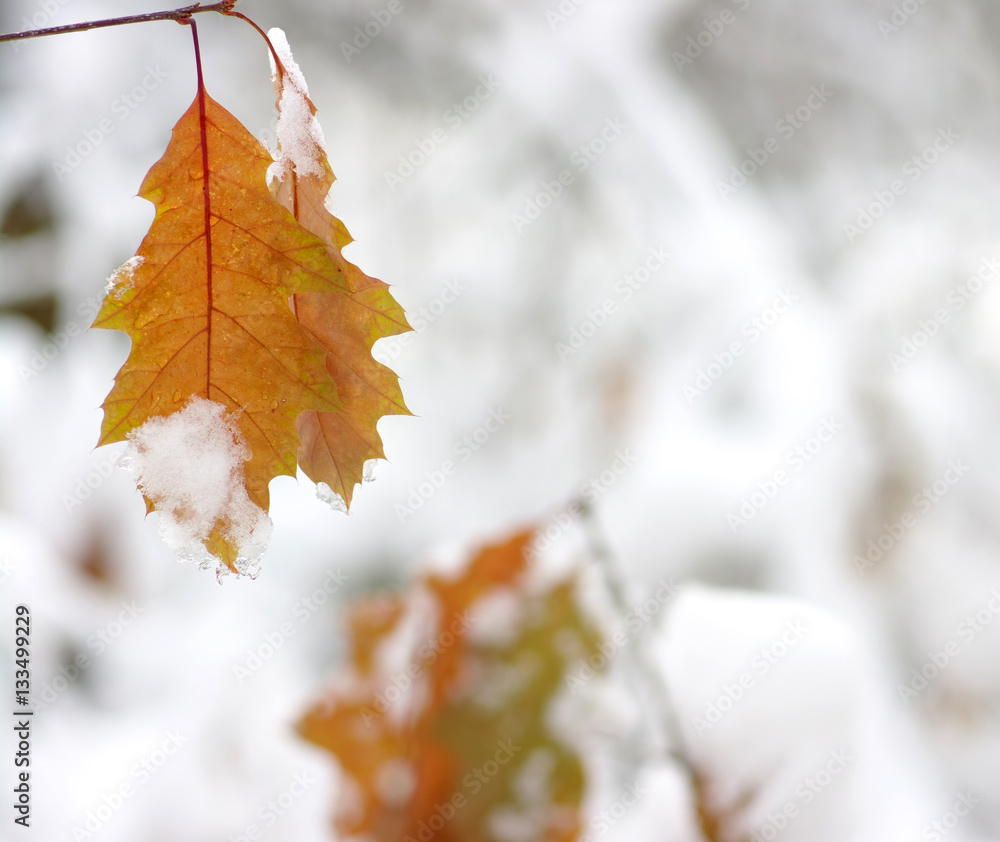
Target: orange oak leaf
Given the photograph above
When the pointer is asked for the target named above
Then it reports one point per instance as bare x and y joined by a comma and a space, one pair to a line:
215, 345
334, 445
439, 720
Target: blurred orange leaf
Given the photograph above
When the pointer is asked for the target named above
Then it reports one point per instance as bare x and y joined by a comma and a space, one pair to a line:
440, 740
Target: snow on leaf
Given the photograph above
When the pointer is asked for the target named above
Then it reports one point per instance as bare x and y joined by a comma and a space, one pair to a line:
799, 710
448, 741
330, 497
301, 145
123, 278
335, 445
190, 464
208, 312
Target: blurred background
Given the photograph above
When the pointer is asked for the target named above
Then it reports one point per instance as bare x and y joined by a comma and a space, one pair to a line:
729, 270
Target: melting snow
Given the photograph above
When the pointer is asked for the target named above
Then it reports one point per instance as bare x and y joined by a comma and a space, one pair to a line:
123, 278
330, 497
190, 464
300, 138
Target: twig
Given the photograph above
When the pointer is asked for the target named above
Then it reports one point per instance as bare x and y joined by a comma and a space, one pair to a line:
655, 685
179, 15
713, 825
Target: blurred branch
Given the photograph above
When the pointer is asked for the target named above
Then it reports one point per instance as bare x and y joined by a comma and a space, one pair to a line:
713, 824
179, 15
615, 582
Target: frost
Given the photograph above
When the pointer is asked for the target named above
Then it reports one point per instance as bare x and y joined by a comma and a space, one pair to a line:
331, 497
368, 471
300, 138
123, 278
190, 464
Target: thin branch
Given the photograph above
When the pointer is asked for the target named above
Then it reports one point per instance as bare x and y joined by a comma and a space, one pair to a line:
655, 686
179, 15
714, 826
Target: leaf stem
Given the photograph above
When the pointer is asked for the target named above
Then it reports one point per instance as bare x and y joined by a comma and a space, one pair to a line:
206, 193
277, 61
182, 14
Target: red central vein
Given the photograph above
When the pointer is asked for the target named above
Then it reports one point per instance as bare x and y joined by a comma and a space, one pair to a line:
203, 125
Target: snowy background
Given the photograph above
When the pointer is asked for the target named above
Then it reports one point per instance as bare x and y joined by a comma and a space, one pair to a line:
794, 417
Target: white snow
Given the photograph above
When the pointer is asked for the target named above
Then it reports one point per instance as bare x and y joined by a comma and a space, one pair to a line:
331, 497
657, 185
300, 138
190, 464
772, 694
123, 278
